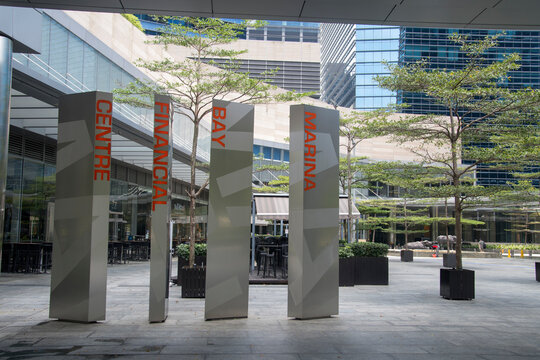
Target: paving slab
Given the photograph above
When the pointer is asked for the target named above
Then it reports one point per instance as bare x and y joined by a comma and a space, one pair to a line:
405, 320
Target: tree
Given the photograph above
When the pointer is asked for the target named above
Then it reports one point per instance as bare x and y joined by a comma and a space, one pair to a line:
354, 127
410, 180
279, 173
522, 150
375, 213
408, 218
193, 85
477, 107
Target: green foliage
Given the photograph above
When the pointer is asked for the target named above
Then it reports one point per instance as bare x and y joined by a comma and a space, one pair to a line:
345, 252
182, 250
369, 249
193, 85
134, 21
497, 246
355, 127
279, 184
479, 108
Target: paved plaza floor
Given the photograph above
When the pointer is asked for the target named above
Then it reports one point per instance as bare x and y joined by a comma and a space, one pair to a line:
404, 320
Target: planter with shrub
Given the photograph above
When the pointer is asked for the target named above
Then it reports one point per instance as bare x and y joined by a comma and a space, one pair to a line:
371, 263
457, 284
346, 266
449, 260
193, 282
407, 255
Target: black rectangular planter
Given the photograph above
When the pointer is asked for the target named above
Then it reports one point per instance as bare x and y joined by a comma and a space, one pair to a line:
457, 284
449, 260
193, 282
371, 271
537, 271
347, 271
407, 255
199, 261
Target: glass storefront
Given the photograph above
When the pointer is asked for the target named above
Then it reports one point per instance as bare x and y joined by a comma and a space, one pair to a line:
30, 195
29, 191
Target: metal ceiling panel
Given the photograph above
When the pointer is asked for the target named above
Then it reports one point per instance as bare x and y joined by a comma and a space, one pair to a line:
509, 14
86, 5
348, 10
287, 8
518, 14
164, 6
457, 12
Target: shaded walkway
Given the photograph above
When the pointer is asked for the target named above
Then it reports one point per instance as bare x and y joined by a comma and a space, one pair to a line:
405, 320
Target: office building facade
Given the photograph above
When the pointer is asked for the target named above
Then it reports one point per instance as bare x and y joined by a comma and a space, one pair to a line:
289, 70
82, 52
376, 46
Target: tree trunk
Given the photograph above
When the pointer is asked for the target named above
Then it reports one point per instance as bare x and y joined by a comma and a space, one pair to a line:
446, 225
458, 210
405, 224
192, 194
349, 192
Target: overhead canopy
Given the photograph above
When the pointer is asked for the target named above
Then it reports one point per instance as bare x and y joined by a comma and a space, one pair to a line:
501, 14
276, 207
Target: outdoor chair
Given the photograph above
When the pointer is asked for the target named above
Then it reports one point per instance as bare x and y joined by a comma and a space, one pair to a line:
267, 259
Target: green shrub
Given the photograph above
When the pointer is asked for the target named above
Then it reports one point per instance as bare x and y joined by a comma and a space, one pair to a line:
345, 252
182, 250
507, 246
369, 249
134, 21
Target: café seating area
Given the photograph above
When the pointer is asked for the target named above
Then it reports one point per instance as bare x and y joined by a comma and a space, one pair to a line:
122, 252
26, 257
271, 257
36, 258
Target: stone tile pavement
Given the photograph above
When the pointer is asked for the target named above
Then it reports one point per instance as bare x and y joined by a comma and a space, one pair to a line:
405, 320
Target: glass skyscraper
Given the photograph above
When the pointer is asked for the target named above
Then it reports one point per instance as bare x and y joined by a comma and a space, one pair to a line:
338, 64
351, 55
375, 45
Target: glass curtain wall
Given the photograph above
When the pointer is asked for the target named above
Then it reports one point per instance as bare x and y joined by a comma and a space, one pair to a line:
375, 46
67, 59
30, 193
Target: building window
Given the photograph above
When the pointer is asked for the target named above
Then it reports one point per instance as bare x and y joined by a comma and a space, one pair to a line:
257, 150
267, 153
277, 154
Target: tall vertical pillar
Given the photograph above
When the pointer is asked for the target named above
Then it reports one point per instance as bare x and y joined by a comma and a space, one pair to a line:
81, 216
313, 212
133, 225
229, 208
160, 232
6, 51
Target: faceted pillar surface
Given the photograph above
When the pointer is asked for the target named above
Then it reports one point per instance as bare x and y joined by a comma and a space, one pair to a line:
229, 210
160, 234
313, 212
81, 217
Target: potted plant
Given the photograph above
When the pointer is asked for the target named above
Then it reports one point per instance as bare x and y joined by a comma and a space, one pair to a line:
478, 110
371, 263
192, 280
346, 266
